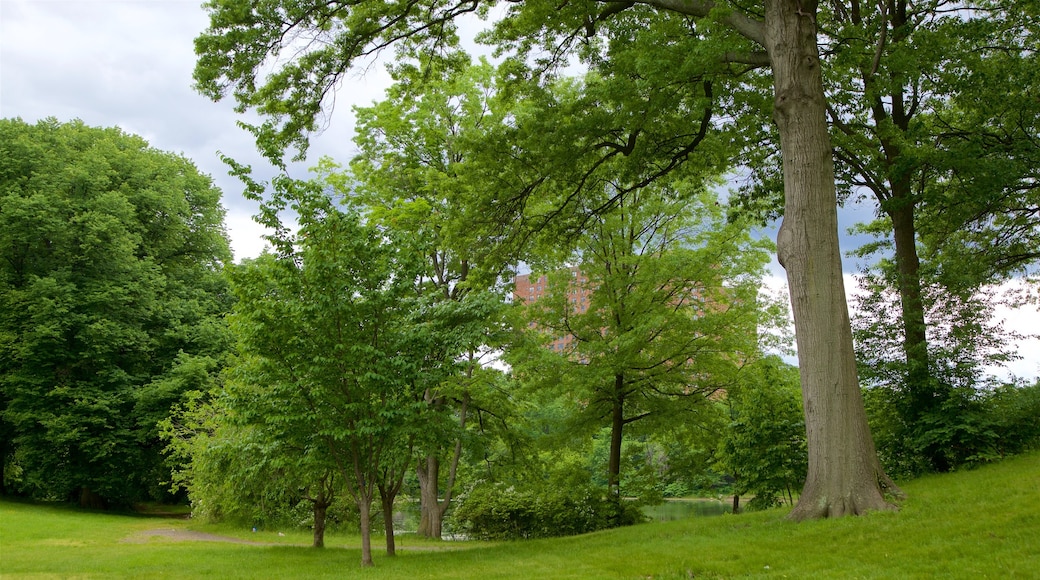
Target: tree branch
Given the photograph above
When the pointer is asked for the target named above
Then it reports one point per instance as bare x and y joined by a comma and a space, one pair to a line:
742, 24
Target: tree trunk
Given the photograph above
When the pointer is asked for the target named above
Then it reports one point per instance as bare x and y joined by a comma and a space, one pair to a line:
844, 474
617, 424
90, 500
900, 210
921, 393
365, 514
320, 511
429, 498
386, 499
431, 508
908, 266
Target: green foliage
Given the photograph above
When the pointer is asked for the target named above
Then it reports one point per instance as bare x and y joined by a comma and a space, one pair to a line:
970, 427
412, 176
1013, 411
111, 306
233, 473
335, 340
763, 447
932, 118
497, 511
941, 422
672, 310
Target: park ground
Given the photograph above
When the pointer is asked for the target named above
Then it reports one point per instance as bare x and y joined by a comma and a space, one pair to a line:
983, 523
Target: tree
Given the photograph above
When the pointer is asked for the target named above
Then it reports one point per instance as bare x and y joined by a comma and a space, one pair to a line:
236, 471
763, 447
945, 431
673, 310
931, 120
408, 175
844, 474
111, 306
325, 342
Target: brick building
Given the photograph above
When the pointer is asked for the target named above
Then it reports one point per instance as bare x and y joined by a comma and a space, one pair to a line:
529, 289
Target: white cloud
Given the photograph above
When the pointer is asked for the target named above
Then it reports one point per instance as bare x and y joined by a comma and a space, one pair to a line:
248, 241
1024, 320
128, 63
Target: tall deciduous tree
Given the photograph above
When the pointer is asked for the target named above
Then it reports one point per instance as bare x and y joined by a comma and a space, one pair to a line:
844, 474
110, 308
410, 174
324, 336
672, 312
931, 119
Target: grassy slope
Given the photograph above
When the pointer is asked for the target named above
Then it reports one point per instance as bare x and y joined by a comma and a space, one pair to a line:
977, 524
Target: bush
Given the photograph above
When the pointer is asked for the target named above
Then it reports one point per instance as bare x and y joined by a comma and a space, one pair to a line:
496, 511
970, 427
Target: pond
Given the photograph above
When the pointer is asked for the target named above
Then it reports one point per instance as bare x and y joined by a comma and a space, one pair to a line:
679, 509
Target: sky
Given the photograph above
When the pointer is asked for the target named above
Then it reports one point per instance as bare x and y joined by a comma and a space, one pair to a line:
128, 63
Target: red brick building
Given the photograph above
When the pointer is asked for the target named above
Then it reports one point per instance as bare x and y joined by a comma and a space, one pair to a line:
529, 289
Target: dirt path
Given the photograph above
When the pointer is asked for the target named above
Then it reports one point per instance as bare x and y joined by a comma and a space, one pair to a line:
190, 536
180, 535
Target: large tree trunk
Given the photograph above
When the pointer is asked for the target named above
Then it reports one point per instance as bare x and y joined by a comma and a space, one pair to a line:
429, 497
431, 507
844, 474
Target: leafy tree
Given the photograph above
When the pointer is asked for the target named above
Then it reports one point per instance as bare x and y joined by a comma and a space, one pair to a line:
243, 37
234, 470
325, 341
1014, 413
949, 431
764, 445
672, 312
110, 307
931, 119
409, 175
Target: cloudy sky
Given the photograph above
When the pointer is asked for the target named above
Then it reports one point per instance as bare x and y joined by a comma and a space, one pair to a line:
128, 63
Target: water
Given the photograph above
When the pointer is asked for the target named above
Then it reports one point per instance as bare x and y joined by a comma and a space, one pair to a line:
679, 509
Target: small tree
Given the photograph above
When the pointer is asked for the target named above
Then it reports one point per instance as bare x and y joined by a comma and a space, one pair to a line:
672, 312
763, 447
324, 338
236, 471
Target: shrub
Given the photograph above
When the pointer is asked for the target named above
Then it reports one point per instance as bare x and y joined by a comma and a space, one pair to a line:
496, 511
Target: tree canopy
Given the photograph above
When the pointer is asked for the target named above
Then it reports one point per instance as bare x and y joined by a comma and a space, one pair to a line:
658, 314
112, 298
284, 59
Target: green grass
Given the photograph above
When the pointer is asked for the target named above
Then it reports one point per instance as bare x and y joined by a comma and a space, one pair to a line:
977, 524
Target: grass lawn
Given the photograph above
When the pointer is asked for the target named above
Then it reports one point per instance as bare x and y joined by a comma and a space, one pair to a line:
975, 524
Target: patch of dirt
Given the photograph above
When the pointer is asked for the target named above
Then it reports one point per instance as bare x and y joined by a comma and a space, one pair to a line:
189, 536
181, 535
